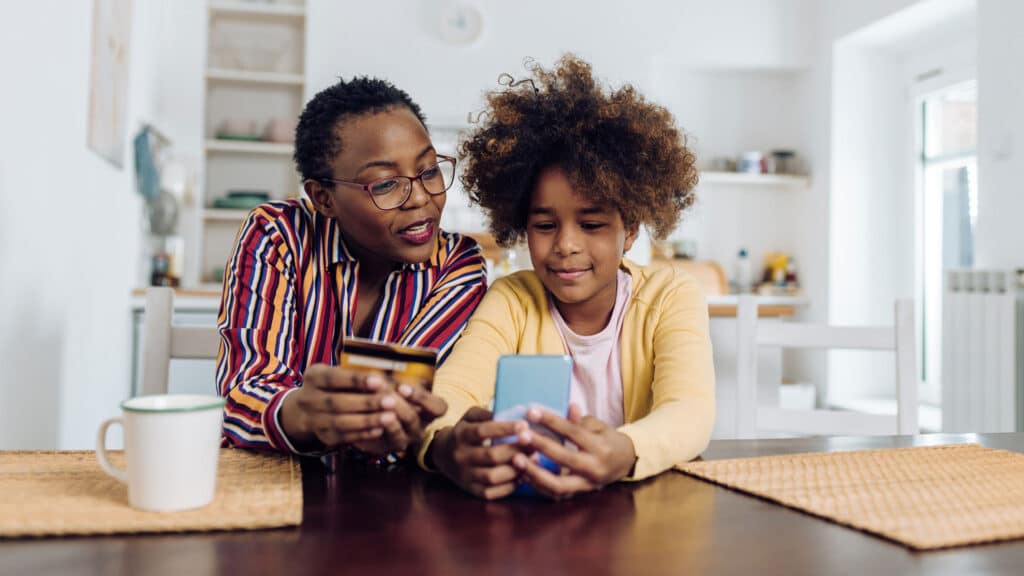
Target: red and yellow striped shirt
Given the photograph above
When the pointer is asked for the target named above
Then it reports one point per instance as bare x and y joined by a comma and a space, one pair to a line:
288, 302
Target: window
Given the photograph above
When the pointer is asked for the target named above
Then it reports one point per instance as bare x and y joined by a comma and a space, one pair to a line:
948, 191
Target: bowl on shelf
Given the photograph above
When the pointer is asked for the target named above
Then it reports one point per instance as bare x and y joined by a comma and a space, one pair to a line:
241, 199
239, 129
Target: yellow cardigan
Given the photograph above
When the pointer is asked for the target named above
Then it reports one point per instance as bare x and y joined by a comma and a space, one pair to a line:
668, 376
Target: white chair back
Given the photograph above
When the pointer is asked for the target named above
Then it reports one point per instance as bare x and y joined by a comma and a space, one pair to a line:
751, 334
164, 340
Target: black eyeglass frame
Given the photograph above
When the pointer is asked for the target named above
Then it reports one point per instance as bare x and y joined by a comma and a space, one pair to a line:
412, 181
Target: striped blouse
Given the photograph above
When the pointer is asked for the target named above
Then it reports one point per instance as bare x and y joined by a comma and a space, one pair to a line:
288, 302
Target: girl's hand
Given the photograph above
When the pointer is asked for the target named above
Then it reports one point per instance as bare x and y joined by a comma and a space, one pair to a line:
465, 454
604, 456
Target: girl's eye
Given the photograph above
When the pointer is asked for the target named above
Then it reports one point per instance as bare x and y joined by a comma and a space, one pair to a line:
430, 173
592, 225
543, 225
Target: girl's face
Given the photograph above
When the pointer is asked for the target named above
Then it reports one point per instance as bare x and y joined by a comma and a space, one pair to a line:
380, 145
575, 246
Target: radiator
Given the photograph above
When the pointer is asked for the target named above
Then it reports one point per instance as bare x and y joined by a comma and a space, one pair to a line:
982, 338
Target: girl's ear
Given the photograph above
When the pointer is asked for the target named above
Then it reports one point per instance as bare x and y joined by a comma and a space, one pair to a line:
631, 234
321, 197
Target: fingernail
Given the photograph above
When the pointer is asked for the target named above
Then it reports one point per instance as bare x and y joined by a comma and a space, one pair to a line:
519, 461
521, 426
374, 381
387, 418
376, 432
525, 436
533, 414
405, 390
387, 402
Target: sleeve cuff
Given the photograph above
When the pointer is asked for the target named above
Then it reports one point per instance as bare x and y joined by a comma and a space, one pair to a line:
275, 432
642, 468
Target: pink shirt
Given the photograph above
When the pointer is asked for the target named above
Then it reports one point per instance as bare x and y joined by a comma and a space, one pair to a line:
596, 361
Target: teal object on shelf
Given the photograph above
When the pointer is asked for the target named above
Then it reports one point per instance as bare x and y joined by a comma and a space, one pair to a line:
241, 199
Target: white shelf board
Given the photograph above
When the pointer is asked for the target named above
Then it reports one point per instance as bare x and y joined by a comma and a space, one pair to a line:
246, 147
929, 417
741, 178
248, 77
224, 214
254, 10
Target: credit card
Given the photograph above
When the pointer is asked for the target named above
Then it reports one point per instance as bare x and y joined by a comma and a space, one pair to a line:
405, 364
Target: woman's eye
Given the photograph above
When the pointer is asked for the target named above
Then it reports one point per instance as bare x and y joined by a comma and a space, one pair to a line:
384, 187
430, 173
593, 225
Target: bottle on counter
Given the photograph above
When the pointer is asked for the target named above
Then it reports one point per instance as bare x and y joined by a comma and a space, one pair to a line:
742, 279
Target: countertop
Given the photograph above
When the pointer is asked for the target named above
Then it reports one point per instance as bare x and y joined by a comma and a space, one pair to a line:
208, 300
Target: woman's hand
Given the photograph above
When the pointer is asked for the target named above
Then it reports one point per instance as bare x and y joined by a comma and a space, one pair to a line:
604, 456
414, 408
465, 454
336, 406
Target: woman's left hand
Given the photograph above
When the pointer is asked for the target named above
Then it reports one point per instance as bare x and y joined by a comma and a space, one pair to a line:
414, 409
605, 455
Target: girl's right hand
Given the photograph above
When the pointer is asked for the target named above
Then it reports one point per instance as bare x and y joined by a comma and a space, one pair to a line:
463, 454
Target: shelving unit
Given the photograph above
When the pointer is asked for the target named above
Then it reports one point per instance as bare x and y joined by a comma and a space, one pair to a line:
258, 11
224, 214
741, 178
254, 82
247, 147
214, 75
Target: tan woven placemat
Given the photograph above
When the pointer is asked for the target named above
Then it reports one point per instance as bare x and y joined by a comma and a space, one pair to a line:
56, 493
924, 498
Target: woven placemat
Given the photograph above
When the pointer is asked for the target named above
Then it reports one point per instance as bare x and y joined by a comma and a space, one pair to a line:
58, 493
924, 498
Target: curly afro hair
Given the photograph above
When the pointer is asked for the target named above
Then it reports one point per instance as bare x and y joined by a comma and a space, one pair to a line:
616, 148
317, 141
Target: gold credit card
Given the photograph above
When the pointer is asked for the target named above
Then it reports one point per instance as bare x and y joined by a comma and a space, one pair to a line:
405, 364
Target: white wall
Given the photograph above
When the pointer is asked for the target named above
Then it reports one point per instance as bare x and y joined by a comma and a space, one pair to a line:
70, 228
729, 71
1000, 134
622, 44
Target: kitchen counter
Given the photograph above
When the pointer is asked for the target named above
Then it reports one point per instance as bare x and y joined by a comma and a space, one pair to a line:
719, 306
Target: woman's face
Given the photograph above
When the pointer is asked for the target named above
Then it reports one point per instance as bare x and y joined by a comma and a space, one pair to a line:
575, 246
380, 145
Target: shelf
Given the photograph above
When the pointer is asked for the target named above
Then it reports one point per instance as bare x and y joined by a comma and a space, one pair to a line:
247, 77
245, 147
741, 178
224, 214
263, 11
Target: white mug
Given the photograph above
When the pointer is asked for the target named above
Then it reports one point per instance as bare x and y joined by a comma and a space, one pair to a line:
171, 444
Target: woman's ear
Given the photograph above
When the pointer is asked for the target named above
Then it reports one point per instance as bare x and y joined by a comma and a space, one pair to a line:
631, 234
321, 197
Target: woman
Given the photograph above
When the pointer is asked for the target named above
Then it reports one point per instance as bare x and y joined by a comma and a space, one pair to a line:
362, 256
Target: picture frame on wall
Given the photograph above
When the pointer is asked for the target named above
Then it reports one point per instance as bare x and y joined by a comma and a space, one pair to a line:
108, 79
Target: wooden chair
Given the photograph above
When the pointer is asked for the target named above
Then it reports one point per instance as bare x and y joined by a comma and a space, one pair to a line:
899, 338
163, 341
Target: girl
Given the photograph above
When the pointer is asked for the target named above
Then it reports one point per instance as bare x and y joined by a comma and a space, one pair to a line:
362, 256
577, 169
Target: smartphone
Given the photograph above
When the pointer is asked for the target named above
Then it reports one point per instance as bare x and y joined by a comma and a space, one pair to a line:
532, 380
404, 364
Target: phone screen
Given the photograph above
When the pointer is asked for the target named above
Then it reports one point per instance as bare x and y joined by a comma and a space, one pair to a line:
532, 380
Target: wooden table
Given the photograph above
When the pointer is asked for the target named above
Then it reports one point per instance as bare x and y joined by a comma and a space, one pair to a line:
364, 520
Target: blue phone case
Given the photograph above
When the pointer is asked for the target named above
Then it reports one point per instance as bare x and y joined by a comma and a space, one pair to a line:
528, 380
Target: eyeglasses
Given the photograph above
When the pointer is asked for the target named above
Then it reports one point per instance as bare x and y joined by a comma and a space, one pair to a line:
392, 192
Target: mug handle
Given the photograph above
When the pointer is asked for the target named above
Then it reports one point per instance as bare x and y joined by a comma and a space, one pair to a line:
101, 451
